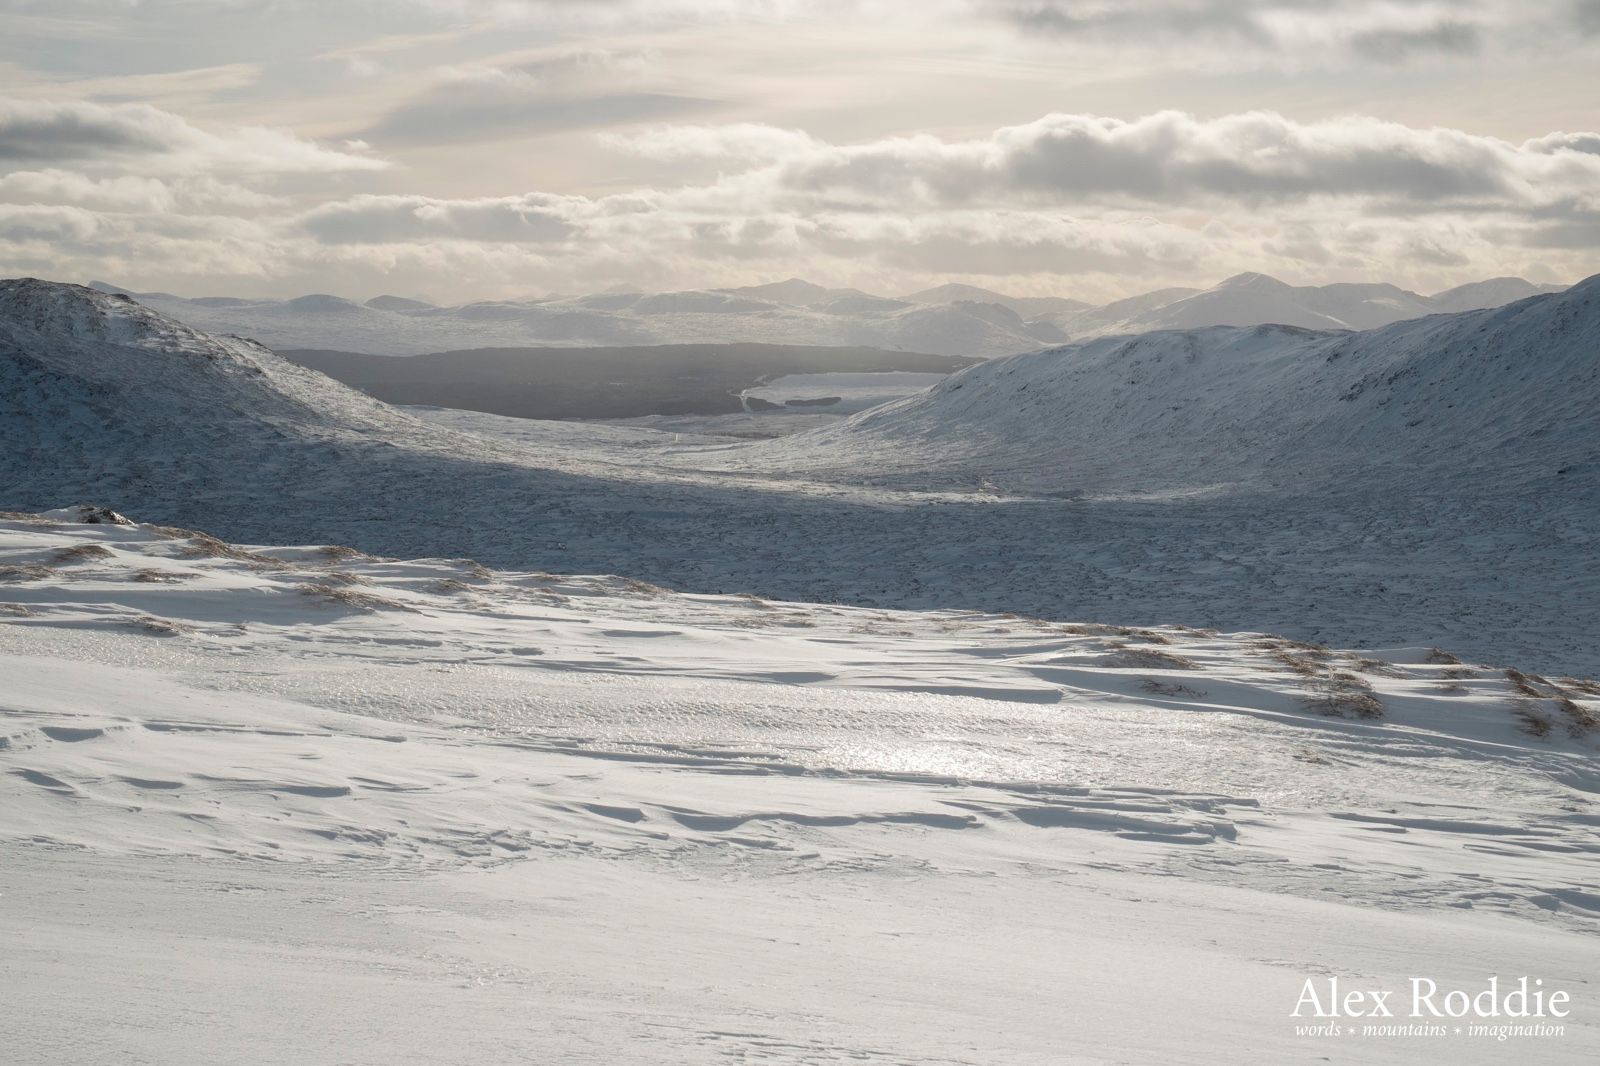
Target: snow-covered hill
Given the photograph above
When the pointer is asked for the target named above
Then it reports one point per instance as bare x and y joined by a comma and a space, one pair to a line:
924, 504
509, 816
1496, 401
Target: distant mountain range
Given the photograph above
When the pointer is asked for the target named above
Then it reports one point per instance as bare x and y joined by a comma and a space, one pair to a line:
961, 320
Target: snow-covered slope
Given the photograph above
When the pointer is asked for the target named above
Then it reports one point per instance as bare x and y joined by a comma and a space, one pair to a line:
415, 804
1494, 401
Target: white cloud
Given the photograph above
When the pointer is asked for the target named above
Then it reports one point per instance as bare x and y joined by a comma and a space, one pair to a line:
532, 218
738, 142
1170, 157
45, 132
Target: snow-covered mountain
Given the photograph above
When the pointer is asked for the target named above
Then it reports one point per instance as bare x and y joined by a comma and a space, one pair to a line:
1507, 397
1027, 306
1249, 300
792, 312
1495, 292
951, 319
1273, 479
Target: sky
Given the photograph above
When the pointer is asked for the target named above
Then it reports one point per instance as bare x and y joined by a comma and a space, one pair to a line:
499, 149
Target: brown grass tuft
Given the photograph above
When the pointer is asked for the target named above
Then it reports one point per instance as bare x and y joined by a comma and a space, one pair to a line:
160, 627
341, 596
24, 573
1581, 720
1169, 688
16, 610
338, 553
166, 577
1580, 684
1525, 684
205, 546
1375, 666
1440, 657
1128, 657
1343, 695
1534, 721
80, 553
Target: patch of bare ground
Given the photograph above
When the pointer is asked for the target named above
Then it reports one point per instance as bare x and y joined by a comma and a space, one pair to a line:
25, 518
1440, 657
94, 514
16, 610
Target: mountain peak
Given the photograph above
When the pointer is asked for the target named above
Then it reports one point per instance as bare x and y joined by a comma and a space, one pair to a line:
1252, 280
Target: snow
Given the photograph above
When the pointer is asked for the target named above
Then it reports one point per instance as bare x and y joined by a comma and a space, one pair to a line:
300, 804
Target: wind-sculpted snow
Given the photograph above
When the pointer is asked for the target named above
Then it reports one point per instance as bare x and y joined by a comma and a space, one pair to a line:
424, 801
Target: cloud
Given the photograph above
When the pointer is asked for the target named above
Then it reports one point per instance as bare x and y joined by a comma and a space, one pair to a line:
575, 90
739, 142
532, 218
1080, 204
44, 132
1173, 158
1307, 31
